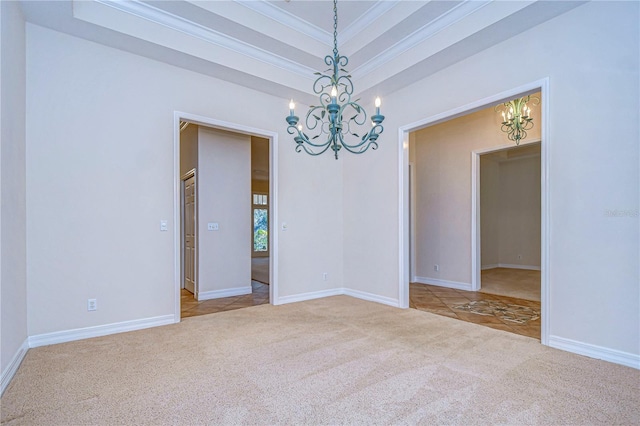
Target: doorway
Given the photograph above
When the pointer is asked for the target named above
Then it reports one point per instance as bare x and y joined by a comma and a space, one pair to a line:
509, 232
440, 271
189, 256
217, 224
260, 211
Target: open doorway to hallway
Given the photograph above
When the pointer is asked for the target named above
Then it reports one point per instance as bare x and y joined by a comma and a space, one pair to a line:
444, 255
217, 219
509, 197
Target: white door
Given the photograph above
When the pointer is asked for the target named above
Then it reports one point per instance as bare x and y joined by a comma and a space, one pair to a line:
189, 233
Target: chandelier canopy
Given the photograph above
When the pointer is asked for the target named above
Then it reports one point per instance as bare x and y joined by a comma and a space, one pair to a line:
516, 117
337, 118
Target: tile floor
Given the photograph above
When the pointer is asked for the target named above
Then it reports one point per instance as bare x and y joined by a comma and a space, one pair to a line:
516, 283
190, 307
437, 300
441, 301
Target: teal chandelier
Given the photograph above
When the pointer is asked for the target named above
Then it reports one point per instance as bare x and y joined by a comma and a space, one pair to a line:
516, 117
338, 118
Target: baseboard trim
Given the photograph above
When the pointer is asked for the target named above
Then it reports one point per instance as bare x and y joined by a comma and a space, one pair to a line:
371, 297
309, 296
594, 351
444, 283
510, 266
97, 331
13, 366
490, 266
227, 292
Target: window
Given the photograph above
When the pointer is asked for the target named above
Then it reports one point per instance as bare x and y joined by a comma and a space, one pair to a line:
260, 223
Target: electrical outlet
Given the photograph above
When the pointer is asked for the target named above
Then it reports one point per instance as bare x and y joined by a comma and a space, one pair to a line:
436, 268
325, 276
92, 304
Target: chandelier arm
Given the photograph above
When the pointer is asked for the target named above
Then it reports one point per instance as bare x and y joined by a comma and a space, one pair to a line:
303, 138
301, 147
369, 139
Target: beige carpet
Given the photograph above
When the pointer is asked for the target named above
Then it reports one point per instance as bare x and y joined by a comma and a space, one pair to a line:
260, 269
518, 283
336, 360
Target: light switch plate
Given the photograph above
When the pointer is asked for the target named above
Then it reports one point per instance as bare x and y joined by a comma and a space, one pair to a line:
212, 226
164, 225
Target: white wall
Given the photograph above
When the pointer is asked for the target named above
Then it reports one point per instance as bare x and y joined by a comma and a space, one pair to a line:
443, 191
13, 308
510, 210
590, 55
224, 197
100, 179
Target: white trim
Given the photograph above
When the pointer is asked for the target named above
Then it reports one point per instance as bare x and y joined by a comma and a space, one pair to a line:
98, 330
475, 222
371, 297
273, 193
310, 296
12, 367
412, 218
594, 351
339, 292
227, 292
289, 19
403, 165
423, 33
490, 266
545, 212
403, 218
443, 283
177, 23
375, 12
512, 266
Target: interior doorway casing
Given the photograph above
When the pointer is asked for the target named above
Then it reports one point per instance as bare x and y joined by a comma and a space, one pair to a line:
177, 199
403, 191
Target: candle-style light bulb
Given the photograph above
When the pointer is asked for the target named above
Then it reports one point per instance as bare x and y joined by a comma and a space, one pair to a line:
300, 127
504, 116
334, 94
377, 103
291, 107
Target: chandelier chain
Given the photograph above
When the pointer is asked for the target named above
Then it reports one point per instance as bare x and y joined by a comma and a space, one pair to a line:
335, 28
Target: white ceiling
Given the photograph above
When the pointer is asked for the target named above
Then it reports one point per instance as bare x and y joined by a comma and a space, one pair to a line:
276, 46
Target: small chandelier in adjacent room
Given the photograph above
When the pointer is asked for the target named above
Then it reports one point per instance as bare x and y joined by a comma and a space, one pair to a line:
516, 117
337, 118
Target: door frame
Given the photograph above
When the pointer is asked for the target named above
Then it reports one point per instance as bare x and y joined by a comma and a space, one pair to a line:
273, 193
476, 236
190, 174
541, 85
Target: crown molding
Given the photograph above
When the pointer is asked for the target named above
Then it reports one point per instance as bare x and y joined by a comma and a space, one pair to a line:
374, 13
176, 23
289, 19
423, 33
